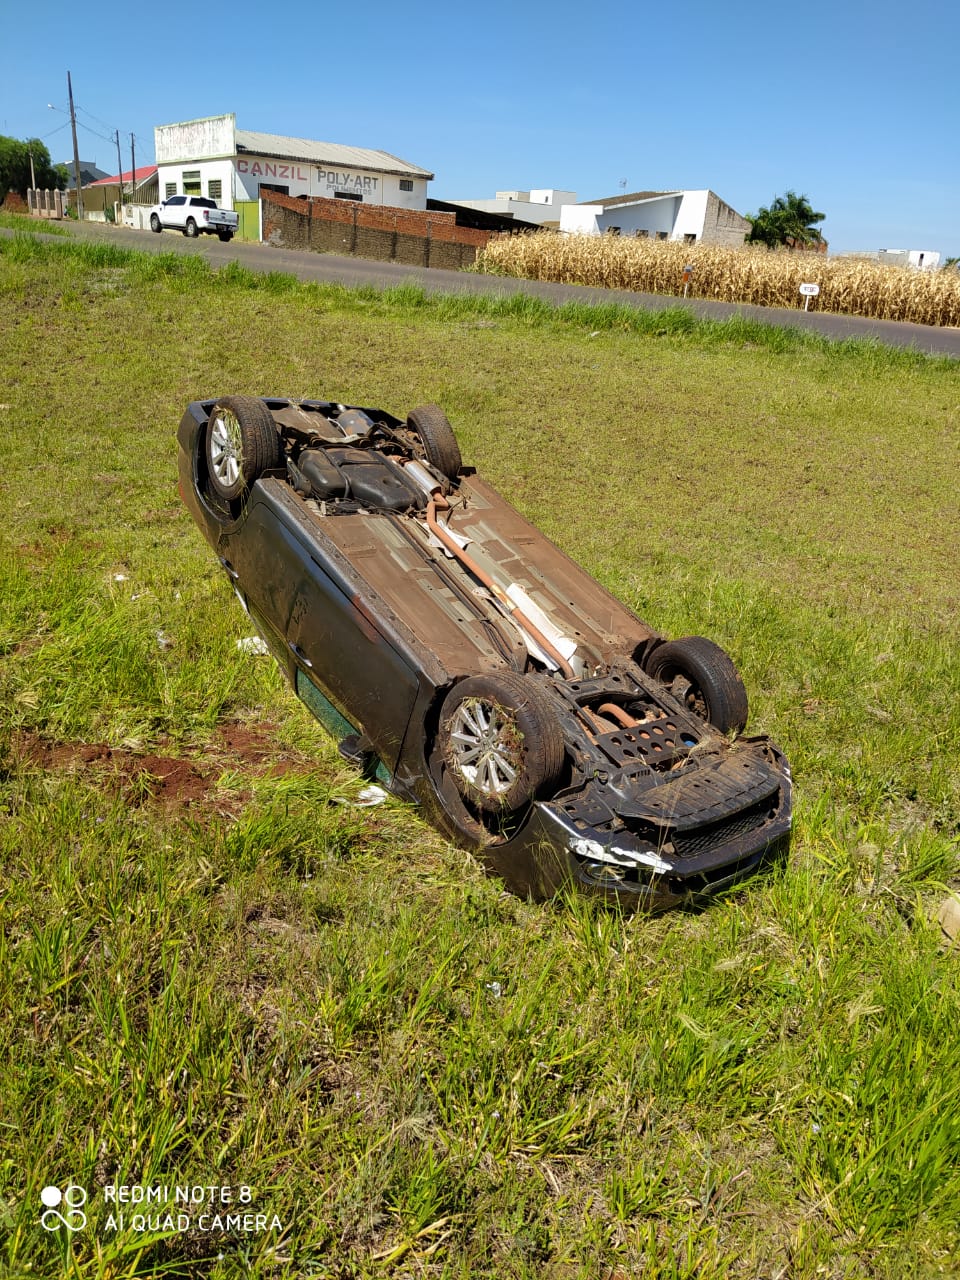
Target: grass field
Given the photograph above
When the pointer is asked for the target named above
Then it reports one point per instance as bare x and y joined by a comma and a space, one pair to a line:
24, 222
217, 975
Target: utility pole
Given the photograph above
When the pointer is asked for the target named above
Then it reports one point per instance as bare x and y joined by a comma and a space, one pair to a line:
133, 170
33, 180
76, 153
116, 134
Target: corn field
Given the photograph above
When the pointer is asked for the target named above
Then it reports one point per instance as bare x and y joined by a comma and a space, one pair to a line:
752, 274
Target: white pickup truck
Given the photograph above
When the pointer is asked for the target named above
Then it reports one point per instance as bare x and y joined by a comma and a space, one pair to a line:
194, 216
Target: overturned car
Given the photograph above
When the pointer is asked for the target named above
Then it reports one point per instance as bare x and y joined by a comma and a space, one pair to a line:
461, 657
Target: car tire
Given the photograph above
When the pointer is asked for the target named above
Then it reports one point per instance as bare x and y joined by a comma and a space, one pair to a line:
155, 223
702, 676
501, 741
241, 444
225, 236
439, 443
190, 229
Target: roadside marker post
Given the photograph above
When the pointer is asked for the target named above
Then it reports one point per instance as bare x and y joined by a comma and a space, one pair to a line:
808, 291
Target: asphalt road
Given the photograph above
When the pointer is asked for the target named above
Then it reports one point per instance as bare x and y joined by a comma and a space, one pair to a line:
382, 275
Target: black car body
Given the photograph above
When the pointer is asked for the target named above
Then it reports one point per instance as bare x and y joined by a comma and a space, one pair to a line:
459, 654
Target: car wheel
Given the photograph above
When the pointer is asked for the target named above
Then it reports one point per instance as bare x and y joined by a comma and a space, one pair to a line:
703, 677
225, 235
439, 443
501, 741
191, 228
155, 223
241, 443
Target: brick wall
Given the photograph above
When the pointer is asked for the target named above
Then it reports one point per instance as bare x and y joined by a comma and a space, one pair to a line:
723, 225
419, 237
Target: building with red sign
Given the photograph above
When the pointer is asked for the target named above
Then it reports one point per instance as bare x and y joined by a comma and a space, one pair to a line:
212, 157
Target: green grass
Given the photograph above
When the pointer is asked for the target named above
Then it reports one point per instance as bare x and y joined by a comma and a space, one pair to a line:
244, 982
24, 222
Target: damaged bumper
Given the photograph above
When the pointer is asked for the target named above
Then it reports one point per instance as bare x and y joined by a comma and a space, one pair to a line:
704, 844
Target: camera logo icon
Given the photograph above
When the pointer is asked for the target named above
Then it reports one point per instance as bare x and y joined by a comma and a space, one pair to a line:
72, 1198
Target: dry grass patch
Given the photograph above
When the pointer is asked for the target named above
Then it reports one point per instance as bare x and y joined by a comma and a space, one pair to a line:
752, 274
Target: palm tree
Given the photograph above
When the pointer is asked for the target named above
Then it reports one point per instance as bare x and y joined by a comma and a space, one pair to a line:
789, 221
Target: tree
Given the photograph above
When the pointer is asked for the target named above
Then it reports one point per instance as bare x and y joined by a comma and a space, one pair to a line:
15, 166
789, 221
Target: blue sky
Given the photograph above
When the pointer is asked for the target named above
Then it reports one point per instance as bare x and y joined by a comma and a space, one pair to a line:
856, 105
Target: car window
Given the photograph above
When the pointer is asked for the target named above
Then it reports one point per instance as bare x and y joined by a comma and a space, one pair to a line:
176, 200
201, 202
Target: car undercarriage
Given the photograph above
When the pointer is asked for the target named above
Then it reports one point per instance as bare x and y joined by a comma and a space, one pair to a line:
480, 672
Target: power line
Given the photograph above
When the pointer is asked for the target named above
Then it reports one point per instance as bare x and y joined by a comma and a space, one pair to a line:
93, 117
53, 131
102, 136
105, 125
86, 128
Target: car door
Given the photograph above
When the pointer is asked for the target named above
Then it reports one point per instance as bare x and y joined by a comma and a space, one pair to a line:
173, 211
260, 559
316, 618
337, 638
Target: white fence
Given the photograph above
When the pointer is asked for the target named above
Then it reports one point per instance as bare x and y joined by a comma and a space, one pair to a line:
45, 203
134, 215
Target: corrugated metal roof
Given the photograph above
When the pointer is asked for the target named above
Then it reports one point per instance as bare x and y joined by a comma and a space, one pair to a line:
332, 153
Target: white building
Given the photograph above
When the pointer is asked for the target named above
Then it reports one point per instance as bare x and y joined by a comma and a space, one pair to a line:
542, 206
919, 259
212, 157
690, 216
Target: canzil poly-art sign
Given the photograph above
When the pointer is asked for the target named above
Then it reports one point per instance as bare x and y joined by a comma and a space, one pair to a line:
332, 179
267, 169
340, 181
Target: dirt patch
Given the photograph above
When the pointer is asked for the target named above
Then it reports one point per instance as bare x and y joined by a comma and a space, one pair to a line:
175, 782
250, 743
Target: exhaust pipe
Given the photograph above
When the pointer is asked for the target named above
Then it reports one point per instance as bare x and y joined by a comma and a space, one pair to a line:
437, 500
421, 477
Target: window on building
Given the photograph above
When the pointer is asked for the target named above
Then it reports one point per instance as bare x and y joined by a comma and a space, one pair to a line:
347, 195
661, 235
191, 182
215, 189
689, 238
406, 184
170, 189
642, 234
612, 231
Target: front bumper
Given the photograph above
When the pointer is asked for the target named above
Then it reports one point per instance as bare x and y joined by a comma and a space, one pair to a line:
551, 852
